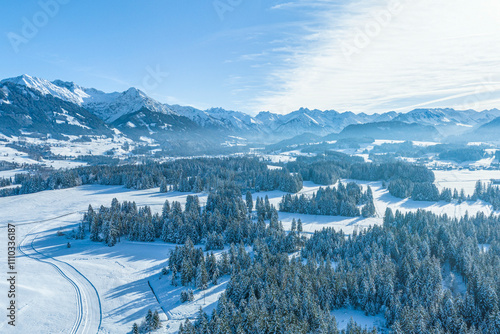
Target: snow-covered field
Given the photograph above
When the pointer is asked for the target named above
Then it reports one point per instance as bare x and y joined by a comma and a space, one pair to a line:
343, 316
11, 173
47, 301
464, 178
72, 148
9, 154
382, 200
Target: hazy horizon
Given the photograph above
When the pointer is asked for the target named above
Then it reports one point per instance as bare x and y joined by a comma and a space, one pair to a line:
368, 56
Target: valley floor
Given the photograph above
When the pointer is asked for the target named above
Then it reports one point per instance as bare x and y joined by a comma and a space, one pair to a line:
59, 288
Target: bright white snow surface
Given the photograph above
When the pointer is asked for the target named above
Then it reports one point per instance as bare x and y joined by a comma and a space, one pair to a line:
11, 173
46, 300
382, 200
9, 154
120, 274
464, 178
343, 316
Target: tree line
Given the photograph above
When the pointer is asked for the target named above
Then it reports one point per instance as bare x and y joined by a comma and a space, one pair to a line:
342, 200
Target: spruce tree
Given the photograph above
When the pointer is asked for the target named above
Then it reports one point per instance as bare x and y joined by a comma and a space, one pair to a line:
249, 201
187, 272
155, 321
202, 276
135, 328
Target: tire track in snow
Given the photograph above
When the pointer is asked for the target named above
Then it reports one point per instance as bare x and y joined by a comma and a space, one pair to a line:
79, 315
84, 322
41, 221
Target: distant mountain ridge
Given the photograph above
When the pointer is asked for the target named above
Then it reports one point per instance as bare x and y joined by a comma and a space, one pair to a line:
392, 130
30, 105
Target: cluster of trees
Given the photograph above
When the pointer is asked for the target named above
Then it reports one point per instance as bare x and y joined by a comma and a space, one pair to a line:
150, 323
35, 151
187, 175
325, 168
490, 194
462, 154
5, 182
454, 152
419, 191
187, 296
396, 269
340, 201
225, 219
390, 171
329, 168
110, 224
280, 179
8, 165
405, 149
272, 295
191, 268
257, 179
427, 191
98, 159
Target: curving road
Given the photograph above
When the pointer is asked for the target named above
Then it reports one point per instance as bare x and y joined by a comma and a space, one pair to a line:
88, 304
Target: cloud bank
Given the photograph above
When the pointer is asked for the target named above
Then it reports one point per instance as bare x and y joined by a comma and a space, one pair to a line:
375, 56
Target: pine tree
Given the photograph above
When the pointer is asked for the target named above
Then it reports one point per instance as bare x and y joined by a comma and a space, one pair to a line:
187, 272
155, 321
163, 186
165, 212
95, 229
267, 207
249, 201
202, 276
149, 320
174, 276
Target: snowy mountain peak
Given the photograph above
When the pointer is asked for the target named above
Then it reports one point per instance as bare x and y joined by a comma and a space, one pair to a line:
23, 80
108, 106
111, 106
46, 87
135, 93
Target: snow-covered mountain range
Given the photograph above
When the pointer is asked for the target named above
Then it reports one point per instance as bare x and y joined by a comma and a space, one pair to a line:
35, 106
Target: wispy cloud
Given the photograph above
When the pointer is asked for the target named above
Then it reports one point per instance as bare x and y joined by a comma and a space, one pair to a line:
359, 58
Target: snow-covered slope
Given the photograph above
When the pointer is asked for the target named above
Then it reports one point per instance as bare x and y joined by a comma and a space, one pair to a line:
29, 108
45, 87
111, 106
449, 121
108, 106
200, 117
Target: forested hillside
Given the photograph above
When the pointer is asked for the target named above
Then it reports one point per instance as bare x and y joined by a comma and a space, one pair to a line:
397, 269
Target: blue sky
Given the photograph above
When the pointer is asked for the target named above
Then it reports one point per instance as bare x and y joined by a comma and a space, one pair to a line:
253, 55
